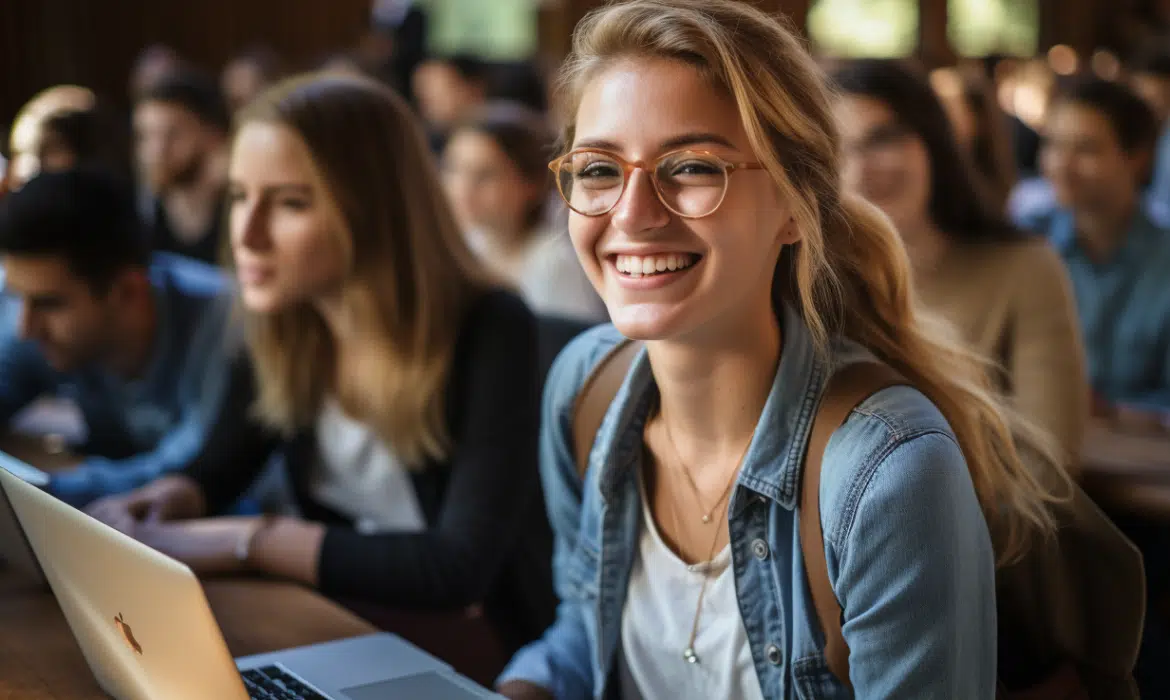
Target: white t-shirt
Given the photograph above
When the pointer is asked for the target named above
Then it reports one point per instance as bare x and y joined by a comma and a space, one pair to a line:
359, 477
656, 625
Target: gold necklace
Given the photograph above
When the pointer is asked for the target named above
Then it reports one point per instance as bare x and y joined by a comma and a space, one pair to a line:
688, 653
707, 516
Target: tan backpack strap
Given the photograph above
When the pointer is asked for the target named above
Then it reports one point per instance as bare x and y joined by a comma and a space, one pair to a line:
845, 390
595, 396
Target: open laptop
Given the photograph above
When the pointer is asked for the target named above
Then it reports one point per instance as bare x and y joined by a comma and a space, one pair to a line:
147, 632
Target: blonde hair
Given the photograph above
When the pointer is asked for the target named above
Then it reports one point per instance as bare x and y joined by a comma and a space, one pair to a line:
409, 277
849, 275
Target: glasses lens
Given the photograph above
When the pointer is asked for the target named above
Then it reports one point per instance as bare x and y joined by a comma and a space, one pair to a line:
692, 184
591, 182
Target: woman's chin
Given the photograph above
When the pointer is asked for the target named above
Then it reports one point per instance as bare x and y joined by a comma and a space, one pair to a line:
647, 321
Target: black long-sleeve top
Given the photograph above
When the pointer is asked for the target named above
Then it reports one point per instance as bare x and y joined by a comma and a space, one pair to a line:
487, 538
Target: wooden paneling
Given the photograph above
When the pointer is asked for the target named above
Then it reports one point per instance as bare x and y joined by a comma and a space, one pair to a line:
95, 42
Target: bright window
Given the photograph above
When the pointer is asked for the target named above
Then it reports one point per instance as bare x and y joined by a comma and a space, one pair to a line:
864, 28
982, 27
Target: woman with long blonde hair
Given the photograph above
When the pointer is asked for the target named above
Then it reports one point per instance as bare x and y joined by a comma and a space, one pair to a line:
702, 167
398, 380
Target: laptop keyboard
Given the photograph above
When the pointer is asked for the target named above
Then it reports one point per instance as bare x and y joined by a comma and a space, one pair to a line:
274, 683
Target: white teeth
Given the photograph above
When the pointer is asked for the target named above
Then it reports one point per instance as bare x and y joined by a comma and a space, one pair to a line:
638, 266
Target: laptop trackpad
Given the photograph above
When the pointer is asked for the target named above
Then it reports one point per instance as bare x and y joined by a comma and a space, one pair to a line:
421, 686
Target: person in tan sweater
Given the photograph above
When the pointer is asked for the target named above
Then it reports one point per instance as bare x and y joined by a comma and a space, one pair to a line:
1007, 292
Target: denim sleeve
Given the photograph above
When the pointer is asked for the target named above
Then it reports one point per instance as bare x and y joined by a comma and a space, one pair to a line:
561, 659
203, 373
916, 579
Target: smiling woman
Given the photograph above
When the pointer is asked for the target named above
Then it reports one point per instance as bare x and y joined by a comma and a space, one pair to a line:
700, 137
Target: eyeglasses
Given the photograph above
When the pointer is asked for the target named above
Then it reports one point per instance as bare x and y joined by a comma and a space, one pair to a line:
691, 184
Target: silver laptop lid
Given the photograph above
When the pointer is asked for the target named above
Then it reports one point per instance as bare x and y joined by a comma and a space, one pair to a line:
140, 617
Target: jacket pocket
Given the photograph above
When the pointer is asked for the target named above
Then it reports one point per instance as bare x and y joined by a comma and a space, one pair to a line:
812, 680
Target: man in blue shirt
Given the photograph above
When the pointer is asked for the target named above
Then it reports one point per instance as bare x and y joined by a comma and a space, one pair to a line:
1098, 142
139, 343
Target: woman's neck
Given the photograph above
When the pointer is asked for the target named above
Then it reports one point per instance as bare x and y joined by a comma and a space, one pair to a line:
712, 393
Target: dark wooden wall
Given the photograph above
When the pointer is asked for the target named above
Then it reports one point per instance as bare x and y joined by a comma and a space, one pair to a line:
95, 42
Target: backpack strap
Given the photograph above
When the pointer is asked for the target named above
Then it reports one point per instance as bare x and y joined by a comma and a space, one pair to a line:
845, 390
595, 396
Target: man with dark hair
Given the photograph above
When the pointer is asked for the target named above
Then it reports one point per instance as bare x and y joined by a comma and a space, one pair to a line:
138, 342
180, 126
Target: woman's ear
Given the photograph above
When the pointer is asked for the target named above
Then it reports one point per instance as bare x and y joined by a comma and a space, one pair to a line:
790, 232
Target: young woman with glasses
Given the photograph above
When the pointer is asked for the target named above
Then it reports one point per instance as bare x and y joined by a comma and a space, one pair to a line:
703, 174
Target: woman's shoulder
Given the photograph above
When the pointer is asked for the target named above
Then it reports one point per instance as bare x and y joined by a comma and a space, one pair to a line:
895, 441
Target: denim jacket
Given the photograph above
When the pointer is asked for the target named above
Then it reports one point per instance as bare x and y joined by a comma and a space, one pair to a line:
907, 546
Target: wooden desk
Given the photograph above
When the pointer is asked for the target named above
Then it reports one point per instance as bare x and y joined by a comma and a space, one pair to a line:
1127, 472
39, 659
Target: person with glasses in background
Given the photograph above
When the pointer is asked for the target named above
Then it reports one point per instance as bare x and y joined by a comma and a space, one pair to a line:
703, 176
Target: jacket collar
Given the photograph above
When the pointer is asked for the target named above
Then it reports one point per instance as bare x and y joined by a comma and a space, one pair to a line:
771, 467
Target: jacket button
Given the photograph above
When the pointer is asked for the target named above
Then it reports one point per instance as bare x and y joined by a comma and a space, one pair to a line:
760, 549
774, 656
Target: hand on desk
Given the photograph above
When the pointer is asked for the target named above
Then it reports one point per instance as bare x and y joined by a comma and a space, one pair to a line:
168, 498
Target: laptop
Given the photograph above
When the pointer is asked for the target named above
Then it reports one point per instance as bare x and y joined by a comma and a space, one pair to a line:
146, 630
15, 552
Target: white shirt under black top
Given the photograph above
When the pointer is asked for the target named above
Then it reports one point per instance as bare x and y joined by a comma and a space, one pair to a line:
475, 530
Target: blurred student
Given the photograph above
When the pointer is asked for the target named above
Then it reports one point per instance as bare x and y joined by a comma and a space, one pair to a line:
448, 90
980, 128
248, 74
1005, 290
180, 127
64, 127
1099, 140
137, 342
398, 379
153, 64
496, 170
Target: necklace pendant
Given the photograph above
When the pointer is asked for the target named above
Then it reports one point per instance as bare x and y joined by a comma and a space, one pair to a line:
706, 519
690, 656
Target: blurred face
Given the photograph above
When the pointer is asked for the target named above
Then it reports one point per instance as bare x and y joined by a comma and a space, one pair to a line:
1155, 90
171, 144
663, 276
1084, 161
487, 190
242, 80
443, 96
58, 311
884, 161
285, 230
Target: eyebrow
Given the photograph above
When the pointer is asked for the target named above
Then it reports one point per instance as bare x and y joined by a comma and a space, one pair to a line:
280, 187
681, 141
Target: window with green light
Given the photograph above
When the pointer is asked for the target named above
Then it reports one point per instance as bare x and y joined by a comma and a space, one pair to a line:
491, 29
982, 27
864, 28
